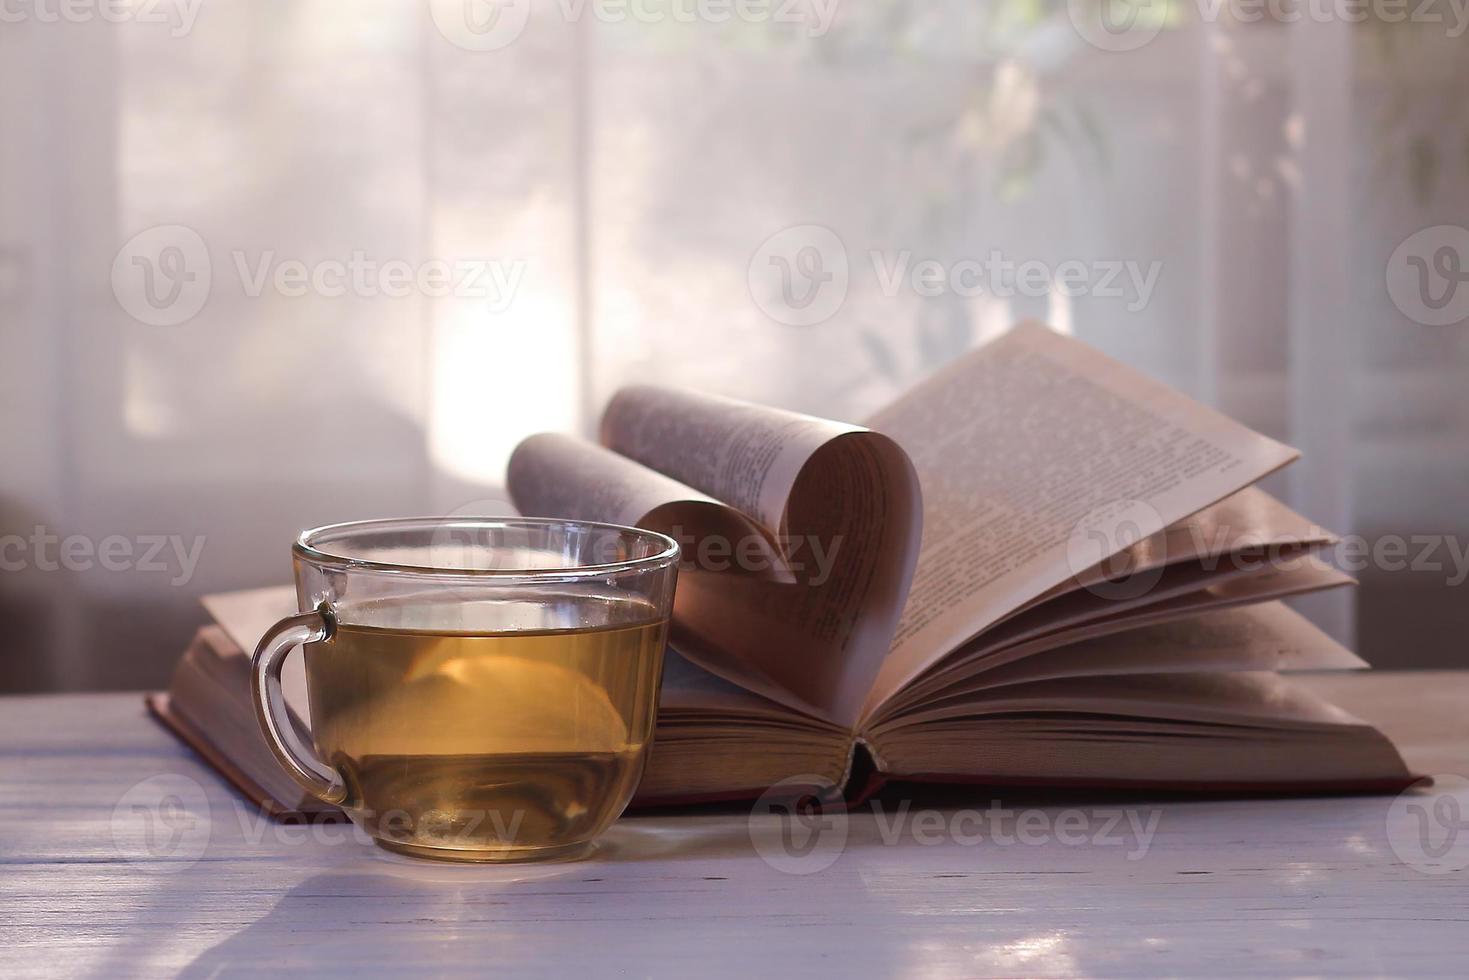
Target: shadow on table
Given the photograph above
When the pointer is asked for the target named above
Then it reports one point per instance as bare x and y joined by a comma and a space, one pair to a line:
636, 906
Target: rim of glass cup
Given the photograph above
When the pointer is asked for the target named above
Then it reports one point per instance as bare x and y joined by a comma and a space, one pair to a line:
308, 541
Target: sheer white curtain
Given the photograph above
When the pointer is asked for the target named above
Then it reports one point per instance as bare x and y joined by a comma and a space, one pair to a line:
617, 188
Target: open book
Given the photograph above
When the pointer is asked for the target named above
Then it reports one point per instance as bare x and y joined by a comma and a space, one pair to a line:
1038, 567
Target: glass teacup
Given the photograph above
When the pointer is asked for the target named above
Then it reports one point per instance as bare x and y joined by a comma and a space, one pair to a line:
479, 689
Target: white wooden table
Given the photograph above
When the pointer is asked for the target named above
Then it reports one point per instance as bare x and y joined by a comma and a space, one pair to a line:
1223, 887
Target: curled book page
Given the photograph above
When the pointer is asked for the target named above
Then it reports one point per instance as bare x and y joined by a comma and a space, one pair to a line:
748, 456
799, 535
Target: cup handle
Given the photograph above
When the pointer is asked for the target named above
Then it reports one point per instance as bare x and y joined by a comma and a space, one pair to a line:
315, 777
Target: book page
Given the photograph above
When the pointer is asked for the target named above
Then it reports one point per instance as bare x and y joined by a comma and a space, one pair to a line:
1035, 452
1246, 528
1265, 637
1183, 587
555, 475
1235, 697
799, 535
561, 475
994, 649
747, 456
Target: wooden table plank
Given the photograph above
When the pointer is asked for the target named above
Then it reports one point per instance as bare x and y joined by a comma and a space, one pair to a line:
1222, 887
